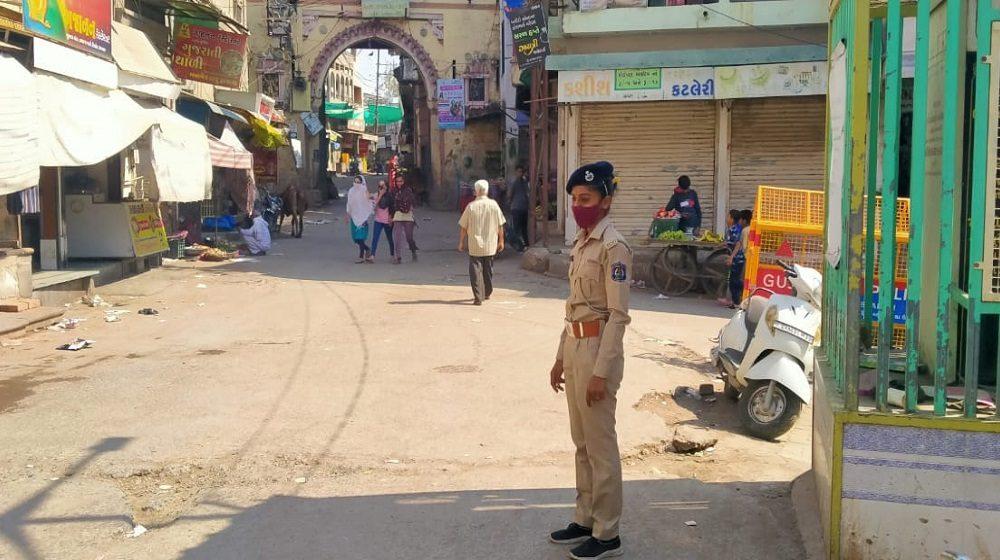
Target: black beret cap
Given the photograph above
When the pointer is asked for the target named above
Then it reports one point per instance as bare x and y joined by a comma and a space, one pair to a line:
600, 175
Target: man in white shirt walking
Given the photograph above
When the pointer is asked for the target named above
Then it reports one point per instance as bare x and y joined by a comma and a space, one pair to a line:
482, 225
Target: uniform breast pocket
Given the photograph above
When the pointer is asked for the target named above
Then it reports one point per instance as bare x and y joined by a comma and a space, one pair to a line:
591, 278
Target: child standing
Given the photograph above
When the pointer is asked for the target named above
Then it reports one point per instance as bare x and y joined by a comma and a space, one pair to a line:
734, 230
737, 260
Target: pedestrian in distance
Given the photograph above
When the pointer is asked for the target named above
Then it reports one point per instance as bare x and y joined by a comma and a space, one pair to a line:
481, 225
519, 201
590, 362
255, 234
359, 209
403, 222
737, 260
685, 201
383, 219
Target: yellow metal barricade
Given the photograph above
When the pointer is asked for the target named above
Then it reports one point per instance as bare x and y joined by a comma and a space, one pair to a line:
788, 225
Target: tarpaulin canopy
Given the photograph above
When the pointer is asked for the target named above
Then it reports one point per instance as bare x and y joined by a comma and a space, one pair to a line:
79, 124
18, 118
182, 164
228, 151
264, 135
383, 114
342, 111
140, 66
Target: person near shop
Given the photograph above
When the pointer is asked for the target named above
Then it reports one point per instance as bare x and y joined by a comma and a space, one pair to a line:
734, 229
255, 234
383, 219
482, 225
403, 222
359, 209
685, 201
519, 201
590, 362
737, 260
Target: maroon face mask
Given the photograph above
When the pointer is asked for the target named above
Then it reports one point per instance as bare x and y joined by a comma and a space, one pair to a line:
587, 216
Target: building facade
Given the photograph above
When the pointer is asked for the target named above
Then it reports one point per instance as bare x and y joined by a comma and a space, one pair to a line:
729, 93
295, 44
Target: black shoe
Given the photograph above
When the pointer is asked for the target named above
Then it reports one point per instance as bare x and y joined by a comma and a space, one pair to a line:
571, 535
595, 549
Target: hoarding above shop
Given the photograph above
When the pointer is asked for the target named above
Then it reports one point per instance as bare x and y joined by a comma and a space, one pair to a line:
530, 33
451, 104
384, 8
84, 25
672, 84
212, 56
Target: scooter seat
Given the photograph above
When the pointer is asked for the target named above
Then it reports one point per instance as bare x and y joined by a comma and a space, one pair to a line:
755, 311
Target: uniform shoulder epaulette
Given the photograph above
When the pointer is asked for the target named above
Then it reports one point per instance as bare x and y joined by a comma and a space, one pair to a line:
612, 239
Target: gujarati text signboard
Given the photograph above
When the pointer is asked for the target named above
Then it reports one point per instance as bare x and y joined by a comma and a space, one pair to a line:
384, 8
148, 235
212, 56
451, 104
84, 25
530, 32
671, 84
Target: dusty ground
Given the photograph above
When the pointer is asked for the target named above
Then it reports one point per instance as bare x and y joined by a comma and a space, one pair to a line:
302, 406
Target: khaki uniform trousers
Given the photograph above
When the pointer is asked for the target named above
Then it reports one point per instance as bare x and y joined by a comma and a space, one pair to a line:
598, 464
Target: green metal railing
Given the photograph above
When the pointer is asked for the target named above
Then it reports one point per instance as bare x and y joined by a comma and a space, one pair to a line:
938, 186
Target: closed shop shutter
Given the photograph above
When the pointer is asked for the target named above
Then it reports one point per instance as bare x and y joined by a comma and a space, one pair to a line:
776, 141
650, 145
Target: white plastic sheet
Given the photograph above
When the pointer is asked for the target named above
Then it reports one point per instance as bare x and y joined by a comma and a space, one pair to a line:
18, 137
182, 167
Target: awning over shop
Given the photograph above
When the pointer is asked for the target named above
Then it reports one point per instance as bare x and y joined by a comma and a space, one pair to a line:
79, 124
342, 111
195, 9
182, 163
228, 151
18, 126
383, 114
140, 66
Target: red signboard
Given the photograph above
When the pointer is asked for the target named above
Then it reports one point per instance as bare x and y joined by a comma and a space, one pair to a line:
84, 25
209, 55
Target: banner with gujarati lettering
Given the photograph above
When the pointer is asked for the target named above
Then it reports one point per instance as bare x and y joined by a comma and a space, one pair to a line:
84, 25
530, 32
451, 104
212, 56
148, 235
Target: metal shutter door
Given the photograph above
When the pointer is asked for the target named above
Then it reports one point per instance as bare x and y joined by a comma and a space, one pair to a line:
650, 145
776, 141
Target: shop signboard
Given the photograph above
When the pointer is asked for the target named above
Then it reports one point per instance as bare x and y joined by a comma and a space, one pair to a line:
384, 8
312, 123
148, 234
212, 56
530, 32
84, 25
704, 82
451, 104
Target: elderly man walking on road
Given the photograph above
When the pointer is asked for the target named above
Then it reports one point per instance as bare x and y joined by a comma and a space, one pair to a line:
482, 224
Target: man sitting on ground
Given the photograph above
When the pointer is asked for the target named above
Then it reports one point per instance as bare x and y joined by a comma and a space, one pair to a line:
256, 235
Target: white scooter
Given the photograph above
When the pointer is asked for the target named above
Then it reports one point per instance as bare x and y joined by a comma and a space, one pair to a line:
765, 353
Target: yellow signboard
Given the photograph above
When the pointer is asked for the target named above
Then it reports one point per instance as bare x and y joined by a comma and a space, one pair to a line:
148, 235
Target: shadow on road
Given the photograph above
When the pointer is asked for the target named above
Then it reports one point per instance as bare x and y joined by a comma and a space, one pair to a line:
734, 520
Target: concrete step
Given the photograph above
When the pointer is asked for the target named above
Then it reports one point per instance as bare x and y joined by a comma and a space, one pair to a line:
13, 325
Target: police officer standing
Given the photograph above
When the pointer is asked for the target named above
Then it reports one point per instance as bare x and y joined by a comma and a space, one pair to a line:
591, 360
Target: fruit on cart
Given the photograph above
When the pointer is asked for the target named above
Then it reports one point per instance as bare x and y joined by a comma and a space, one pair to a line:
662, 213
710, 237
672, 236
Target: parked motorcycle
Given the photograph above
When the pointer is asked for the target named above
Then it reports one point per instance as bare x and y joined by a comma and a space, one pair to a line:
269, 206
765, 353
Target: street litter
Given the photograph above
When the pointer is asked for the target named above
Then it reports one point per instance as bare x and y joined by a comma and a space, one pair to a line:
661, 296
78, 344
661, 341
691, 523
301, 480
317, 222
165, 487
245, 260
66, 324
10, 343
148, 311
136, 531
94, 301
392, 461
201, 286
114, 315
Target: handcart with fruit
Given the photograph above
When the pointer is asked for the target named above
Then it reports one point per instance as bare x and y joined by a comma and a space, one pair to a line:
686, 261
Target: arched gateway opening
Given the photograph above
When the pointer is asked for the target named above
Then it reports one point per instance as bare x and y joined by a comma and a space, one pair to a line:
417, 97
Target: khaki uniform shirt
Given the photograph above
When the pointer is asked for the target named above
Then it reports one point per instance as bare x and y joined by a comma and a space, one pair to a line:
599, 279
482, 220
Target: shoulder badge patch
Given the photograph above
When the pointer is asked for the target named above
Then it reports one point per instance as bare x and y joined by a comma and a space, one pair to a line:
619, 272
